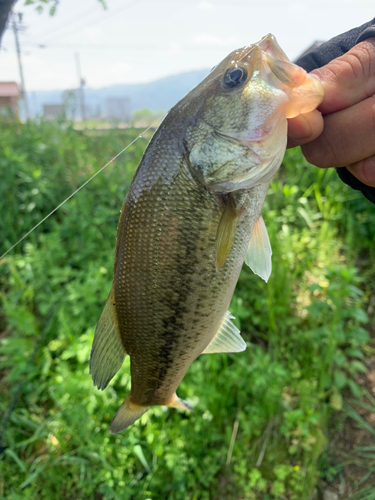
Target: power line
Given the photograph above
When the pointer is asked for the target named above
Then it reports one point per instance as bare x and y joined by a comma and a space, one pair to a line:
130, 47
81, 82
84, 25
16, 28
68, 21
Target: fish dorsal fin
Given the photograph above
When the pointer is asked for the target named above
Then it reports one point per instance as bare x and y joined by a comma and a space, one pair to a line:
107, 353
227, 338
126, 415
258, 256
226, 232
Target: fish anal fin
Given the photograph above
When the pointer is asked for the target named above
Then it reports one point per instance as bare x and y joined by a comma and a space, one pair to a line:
226, 232
227, 338
179, 404
259, 252
126, 415
107, 353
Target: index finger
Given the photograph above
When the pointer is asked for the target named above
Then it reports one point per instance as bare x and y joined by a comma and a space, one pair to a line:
348, 79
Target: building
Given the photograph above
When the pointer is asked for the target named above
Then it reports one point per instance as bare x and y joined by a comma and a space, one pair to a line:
54, 111
9, 95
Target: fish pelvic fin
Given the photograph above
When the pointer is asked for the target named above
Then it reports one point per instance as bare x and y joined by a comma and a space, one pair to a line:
107, 353
179, 404
126, 415
227, 338
259, 252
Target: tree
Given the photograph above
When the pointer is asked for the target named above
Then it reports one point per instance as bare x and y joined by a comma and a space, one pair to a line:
5, 8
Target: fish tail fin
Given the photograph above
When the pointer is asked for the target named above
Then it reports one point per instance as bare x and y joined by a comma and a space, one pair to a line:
178, 403
126, 415
107, 353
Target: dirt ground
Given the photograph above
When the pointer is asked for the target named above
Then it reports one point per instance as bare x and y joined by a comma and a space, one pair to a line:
353, 469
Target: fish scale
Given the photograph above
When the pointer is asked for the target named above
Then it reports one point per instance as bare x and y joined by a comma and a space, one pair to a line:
176, 258
191, 217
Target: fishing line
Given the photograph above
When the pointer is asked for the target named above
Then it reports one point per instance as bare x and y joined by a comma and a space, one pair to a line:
140, 136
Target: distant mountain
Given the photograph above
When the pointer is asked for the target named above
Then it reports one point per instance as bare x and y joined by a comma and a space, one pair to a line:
157, 95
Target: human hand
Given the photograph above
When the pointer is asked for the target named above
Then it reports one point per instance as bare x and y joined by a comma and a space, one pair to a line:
341, 133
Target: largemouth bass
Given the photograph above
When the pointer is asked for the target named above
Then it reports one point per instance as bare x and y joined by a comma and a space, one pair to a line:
190, 219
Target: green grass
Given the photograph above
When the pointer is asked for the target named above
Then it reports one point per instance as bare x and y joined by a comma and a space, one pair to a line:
362, 452
261, 419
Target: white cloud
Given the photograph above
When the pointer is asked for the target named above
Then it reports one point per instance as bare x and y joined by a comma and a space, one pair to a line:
93, 33
214, 40
8, 60
206, 6
42, 74
44, 71
174, 48
110, 73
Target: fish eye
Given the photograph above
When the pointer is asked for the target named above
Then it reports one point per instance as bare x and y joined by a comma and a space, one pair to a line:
234, 77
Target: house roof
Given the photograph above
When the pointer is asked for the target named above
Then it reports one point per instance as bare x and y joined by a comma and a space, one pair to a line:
9, 89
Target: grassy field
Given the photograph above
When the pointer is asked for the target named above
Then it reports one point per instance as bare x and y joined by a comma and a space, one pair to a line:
260, 429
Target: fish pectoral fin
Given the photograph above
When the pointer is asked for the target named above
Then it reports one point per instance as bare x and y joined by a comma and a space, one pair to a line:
126, 415
258, 256
227, 338
178, 403
226, 232
107, 353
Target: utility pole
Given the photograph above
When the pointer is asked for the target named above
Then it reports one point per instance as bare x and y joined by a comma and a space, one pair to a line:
18, 47
81, 83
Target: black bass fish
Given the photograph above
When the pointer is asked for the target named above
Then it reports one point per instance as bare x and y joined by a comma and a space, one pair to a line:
190, 219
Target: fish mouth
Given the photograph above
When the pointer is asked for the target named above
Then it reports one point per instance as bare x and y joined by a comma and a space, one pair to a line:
256, 136
248, 137
265, 152
259, 174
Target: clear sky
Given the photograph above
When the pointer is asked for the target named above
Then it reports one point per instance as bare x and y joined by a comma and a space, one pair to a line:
142, 40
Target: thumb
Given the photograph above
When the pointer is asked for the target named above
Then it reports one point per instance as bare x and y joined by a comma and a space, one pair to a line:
304, 128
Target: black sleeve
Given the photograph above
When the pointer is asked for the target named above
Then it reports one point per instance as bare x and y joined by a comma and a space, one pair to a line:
322, 55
